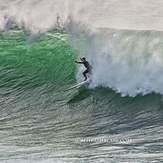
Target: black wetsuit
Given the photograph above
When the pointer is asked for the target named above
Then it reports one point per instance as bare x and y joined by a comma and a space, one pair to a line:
88, 66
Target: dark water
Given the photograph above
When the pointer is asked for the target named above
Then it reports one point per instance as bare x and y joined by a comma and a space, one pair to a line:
39, 122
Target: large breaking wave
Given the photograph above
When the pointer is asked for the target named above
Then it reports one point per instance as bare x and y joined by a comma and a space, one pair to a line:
128, 61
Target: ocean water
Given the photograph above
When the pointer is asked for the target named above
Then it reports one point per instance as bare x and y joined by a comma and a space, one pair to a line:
116, 117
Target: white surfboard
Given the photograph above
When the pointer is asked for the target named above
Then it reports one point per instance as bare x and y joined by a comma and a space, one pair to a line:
76, 86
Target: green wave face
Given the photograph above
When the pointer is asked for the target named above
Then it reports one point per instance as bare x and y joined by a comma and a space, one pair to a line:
27, 65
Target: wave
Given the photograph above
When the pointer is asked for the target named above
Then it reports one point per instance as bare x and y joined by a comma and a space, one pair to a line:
39, 43
128, 61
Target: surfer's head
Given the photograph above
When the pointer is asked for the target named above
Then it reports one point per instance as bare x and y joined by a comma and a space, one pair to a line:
83, 59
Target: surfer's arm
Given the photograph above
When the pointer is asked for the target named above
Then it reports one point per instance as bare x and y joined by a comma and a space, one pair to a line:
79, 62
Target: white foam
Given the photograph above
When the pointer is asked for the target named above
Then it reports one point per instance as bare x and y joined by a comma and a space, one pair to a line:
129, 62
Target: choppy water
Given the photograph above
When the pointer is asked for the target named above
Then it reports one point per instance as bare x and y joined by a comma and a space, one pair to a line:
117, 117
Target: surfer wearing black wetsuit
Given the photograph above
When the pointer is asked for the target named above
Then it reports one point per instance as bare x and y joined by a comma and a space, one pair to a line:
87, 65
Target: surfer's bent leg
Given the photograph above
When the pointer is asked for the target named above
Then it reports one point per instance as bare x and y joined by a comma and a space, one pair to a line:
84, 73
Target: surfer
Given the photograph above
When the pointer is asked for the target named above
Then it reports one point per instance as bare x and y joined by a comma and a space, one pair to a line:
87, 65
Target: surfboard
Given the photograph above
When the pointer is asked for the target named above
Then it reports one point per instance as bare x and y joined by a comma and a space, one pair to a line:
76, 86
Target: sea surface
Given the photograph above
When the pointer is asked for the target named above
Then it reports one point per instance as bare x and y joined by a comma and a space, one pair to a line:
117, 117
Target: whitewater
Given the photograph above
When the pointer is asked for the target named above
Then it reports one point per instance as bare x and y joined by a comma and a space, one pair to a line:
116, 117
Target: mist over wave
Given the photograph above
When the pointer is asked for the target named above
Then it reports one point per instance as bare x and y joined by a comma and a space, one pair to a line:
44, 14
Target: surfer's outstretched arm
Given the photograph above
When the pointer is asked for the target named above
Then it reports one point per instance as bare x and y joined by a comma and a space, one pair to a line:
79, 62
